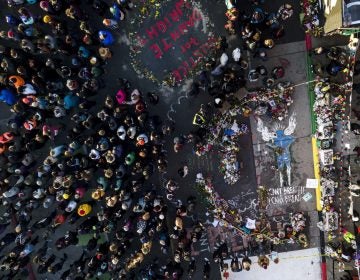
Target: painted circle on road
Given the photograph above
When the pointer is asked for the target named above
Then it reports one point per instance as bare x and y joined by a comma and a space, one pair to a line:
170, 41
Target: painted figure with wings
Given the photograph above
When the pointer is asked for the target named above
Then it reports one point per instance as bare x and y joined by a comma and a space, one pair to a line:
280, 140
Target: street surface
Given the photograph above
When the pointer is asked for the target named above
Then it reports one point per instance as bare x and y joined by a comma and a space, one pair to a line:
256, 159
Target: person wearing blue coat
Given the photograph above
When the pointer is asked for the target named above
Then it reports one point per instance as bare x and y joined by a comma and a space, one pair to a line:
71, 101
106, 38
8, 97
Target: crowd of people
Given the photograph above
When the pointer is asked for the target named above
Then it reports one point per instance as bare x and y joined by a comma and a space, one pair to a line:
86, 165
331, 107
311, 17
72, 166
228, 73
94, 178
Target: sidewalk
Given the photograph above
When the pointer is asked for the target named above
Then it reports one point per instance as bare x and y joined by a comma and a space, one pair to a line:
344, 146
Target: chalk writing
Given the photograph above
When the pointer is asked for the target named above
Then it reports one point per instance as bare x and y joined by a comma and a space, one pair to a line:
241, 199
285, 195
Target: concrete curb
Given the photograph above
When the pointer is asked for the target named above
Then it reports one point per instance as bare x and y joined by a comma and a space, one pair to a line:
316, 172
315, 153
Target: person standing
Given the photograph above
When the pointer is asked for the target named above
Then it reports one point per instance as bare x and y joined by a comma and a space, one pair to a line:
206, 269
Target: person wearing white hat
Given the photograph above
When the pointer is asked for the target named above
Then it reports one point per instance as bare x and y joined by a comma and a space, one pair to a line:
236, 54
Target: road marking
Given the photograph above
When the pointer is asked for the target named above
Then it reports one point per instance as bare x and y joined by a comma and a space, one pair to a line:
181, 97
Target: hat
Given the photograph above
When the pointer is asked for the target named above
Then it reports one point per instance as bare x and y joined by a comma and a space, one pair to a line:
111, 201
11, 33
93, 60
161, 217
26, 100
179, 223
75, 61
18, 229
108, 173
256, 36
269, 42
113, 247
97, 194
115, 260
44, 4
126, 227
139, 106
46, 19
146, 216
104, 52
30, 124
66, 196
106, 22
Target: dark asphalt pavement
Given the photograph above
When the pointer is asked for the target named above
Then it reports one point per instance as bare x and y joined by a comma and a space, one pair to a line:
182, 110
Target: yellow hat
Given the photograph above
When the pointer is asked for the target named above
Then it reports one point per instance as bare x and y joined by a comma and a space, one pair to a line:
84, 209
98, 193
66, 196
46, 19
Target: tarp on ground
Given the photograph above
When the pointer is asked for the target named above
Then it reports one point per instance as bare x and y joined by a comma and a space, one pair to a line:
84, 238
333, 14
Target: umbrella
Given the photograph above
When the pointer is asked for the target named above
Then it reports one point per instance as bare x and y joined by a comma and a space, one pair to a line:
8, 97
120, 96
71, 101
106, 38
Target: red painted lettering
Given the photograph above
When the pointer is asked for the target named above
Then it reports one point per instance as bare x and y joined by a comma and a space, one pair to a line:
176, 74
161, 26
175, 35
167, 21
166, 45
174, 15
190, 22
182, 68
186, 65
152, 33
193, 41
182, 28
204, 48
192, 62
156, 50
197, 53
188, 5
178, 7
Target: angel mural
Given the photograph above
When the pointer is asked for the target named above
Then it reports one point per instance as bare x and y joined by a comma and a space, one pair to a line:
280, 139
